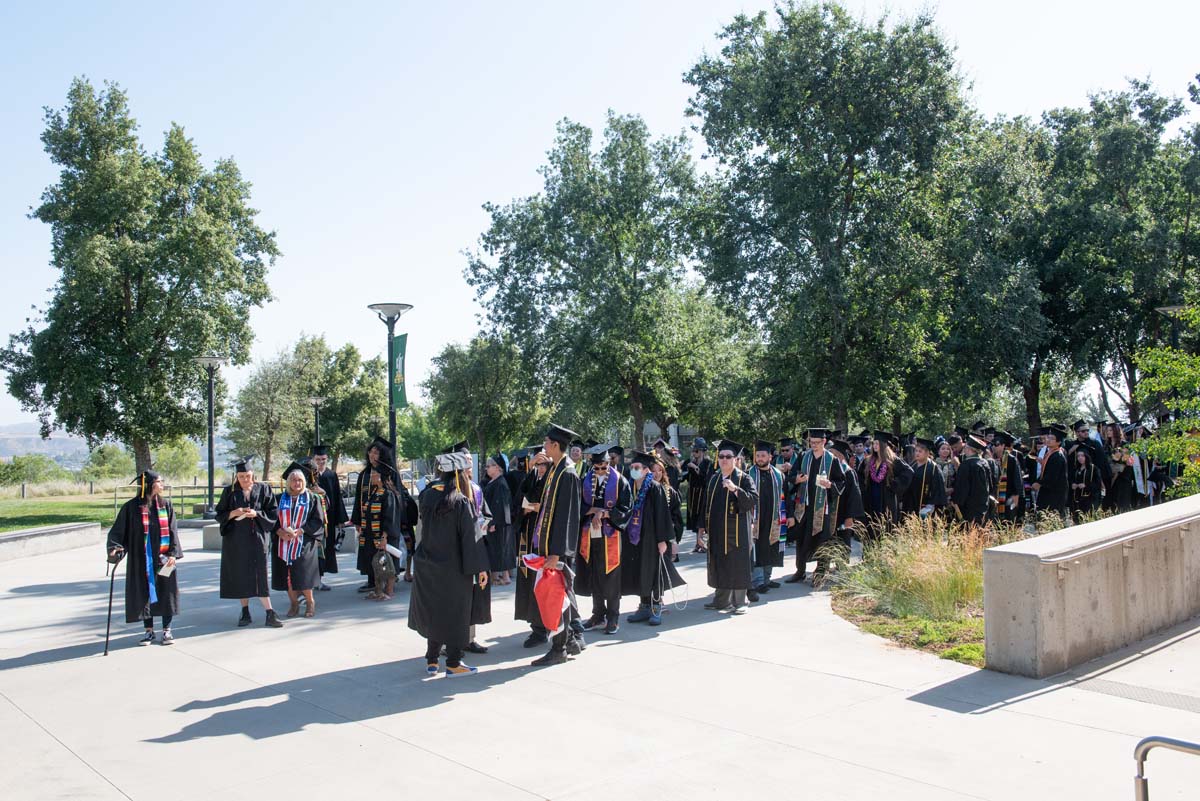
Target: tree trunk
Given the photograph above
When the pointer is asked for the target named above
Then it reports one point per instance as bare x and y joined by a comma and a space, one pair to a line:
897, 425
1032, 391
267, 461
638, 413
842, 416
1129, 373
141, 455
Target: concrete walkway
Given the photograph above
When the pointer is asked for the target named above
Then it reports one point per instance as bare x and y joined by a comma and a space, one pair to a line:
789, 701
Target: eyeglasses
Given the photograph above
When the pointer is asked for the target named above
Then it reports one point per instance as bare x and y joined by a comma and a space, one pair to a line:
599, 469
725, 456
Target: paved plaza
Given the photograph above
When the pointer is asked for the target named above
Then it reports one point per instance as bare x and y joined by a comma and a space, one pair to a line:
789, 701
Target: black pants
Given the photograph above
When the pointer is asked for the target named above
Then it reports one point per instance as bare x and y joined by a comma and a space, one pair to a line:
606, 587
148, 622
433, 652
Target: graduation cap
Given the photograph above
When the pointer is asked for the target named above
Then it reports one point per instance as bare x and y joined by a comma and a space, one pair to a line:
241, 464
384, 447
662, 443
1078, 424
1059, 432
954, 438
972, 441
817, 433
989, 431
886, 437
145, 481
616, 450
577, 443
858, 440
500, 461
591, 443
764, 446
452, 461
787, 442
865, 433
294, 466
599, 453
563, 436
730, 445
1003, 438
459, 447
641, 457
835, 434
927, 444
962, 432
841, 446
319, 450
978, 425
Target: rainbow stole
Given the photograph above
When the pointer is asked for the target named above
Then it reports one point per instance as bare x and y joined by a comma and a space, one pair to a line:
292, 514
612, 543
164, 543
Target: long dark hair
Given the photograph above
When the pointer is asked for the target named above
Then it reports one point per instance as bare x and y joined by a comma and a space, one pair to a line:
451, 493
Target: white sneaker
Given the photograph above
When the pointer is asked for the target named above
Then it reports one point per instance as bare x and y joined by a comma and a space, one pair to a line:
167, 638
148, 638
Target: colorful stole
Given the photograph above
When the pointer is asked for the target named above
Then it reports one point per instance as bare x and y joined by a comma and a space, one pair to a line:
821, 500
777, 524
634, 529
320, 500
292, 514
372, 509
612, 544
164, 543
1002, 486
550, 491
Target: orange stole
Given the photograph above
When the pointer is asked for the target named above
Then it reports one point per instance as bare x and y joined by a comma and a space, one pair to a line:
612, 548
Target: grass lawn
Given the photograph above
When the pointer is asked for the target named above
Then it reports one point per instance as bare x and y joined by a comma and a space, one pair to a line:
960, 640
18, 513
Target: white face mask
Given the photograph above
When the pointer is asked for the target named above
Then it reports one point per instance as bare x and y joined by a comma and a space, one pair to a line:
636, 473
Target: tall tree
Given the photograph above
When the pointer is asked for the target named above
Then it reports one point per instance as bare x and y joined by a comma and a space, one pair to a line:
159, 260
581, 274
478, 392
420, 432
268, 410
827, 131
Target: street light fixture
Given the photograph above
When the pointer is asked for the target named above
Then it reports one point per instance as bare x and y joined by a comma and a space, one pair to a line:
1172, 311
210, 365
389, 313
316, 401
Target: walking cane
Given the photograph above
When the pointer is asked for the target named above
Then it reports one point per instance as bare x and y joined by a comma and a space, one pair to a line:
113, 560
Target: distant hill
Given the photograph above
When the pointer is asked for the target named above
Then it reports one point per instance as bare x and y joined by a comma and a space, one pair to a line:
18, 439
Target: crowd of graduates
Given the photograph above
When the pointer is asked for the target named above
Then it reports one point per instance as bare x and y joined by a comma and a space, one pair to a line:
571, 518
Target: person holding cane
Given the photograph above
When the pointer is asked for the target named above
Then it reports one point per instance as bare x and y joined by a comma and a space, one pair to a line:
145, 530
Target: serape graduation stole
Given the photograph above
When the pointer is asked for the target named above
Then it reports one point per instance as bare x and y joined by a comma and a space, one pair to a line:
292, 514
612, 542
1002, 485
372, 511
778, 524
164, 543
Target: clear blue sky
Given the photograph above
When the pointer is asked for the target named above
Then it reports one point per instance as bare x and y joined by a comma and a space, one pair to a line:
373, 132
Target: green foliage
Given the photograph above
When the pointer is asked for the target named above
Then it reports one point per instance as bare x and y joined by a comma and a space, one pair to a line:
108, 461
179, 458
355, 393
479, 391
968, 653
1172, 376
31, 468
420, 433
159, 260
268, 411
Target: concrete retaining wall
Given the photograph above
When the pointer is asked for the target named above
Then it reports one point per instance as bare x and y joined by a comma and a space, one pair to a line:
1056, 601
49, 539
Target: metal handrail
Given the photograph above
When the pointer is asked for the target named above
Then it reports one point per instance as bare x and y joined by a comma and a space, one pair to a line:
1183, 522
1141, 787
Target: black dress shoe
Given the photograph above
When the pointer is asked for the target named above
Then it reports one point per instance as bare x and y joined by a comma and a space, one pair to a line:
751, 595
475, 648
773, 585
762, 589
535, 639
611, 627
273, 621
552, 658
795, 578
365, 588
575, 645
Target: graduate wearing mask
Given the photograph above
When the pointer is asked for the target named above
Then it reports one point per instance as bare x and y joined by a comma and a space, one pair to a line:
729, 499
246, 515
645, 569
146, 533
818, 496
769, 518
604, 515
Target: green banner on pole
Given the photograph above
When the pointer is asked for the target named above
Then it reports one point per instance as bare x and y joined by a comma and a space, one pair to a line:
399, 396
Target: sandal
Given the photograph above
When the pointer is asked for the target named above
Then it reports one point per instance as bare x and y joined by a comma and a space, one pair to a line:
294, 609
311, 611
383, 596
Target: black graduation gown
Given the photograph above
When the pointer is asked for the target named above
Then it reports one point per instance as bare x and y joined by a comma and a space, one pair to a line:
927, 487
1086, 500
641, 567
1014, 487
1121, 490
501, 543
127, 532
335, 515
305, 571
559, 533
767, 553
697, 479
446, 564
401, 520
972, 490
390, 522
850, 505
809, 540
894, 488
1054, 492
481, 595
618, 516
245, 543
675, 504
727, 522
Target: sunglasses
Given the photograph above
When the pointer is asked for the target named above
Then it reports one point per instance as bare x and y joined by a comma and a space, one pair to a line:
725, 456
599, 469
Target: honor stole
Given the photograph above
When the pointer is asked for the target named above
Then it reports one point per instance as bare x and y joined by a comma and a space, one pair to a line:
612, 538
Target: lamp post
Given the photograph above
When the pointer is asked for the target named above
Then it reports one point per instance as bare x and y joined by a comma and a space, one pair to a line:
1172, 311
390, 313
316, 401
210, 365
